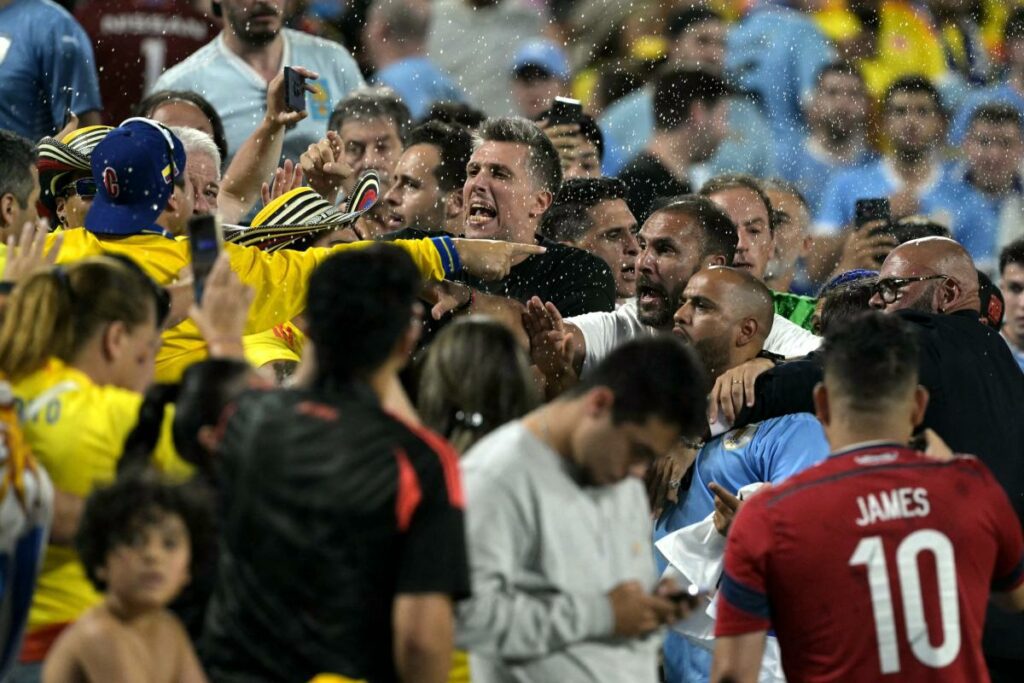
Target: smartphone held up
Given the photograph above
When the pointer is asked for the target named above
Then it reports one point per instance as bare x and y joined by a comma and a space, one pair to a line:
206, 239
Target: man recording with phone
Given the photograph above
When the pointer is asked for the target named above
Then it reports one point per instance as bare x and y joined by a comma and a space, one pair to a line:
234, 69
912, 176
576, 136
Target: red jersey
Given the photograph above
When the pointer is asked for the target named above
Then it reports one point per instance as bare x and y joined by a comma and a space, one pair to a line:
874, 565
137, 40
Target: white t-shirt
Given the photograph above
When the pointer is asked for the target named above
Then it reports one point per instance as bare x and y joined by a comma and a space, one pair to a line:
602, 332
239, 94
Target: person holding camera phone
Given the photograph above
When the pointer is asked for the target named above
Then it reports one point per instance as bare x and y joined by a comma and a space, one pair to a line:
234, 70
911, 175
576, 136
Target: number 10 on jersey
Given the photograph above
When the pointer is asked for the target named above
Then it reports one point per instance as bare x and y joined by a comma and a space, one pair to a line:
870, 553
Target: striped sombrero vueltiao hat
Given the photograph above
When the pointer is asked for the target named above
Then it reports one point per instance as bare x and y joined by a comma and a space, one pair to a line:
56, 159
297, 218
73, 152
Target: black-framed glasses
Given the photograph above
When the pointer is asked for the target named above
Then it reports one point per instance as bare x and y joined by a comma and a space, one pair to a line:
889, 288
83, 187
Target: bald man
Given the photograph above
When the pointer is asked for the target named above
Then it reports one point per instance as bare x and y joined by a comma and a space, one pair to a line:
727, 313
933, 282
931, 275
976, 389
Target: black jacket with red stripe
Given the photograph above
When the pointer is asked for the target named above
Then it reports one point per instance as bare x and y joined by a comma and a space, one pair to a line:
331, 508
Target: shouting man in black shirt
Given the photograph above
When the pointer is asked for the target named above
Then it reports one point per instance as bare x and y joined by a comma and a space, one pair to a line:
511, 181
342, 541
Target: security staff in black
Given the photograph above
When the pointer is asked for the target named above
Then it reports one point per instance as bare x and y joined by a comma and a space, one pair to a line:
342, 539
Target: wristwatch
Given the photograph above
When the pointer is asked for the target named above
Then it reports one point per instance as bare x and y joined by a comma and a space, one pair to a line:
773, 357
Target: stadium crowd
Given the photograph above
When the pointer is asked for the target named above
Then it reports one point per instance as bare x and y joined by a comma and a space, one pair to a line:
546, 341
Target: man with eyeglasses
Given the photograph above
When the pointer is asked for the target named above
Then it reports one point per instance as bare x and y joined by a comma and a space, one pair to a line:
975, 385
930, 275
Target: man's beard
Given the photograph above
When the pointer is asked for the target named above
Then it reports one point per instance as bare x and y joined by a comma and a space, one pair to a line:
839, 132
715, 355
241, 23
924, 303
661, 318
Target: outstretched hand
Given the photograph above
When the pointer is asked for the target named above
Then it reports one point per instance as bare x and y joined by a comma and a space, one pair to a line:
493, 259
446, 297
286, 179
551, 344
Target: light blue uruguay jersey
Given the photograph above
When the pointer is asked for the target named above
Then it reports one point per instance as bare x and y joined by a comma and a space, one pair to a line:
768, 451
239, 94
46, 68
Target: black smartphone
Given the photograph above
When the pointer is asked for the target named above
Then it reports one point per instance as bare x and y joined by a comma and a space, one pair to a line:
205, 239
294, 90
871, 210
565, 110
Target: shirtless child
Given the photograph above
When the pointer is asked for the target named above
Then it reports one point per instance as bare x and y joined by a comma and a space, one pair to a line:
135, 541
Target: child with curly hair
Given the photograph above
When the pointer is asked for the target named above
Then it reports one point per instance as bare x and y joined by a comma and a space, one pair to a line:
135, 541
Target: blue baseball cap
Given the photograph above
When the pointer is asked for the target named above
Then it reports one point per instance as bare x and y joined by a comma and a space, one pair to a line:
134, 167
544, 55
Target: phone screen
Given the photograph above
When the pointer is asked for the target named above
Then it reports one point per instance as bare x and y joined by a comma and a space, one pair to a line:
206, 238
565, 110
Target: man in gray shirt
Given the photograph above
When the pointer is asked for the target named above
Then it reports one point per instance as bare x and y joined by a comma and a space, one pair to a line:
563, 576
234, 69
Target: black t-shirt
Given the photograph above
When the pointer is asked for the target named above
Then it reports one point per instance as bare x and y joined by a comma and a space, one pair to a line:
647, 179
574, 280
331, 508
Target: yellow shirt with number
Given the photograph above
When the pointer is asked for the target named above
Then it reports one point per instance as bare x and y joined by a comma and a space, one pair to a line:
279, 280
77, 430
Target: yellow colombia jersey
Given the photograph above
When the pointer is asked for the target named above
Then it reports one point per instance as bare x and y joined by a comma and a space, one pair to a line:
77, 431
278, 278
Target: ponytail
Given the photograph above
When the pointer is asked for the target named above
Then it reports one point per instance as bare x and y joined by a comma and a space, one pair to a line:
38, 323
56, 312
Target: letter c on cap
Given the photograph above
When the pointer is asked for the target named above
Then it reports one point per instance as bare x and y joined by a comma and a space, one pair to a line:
110, 182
